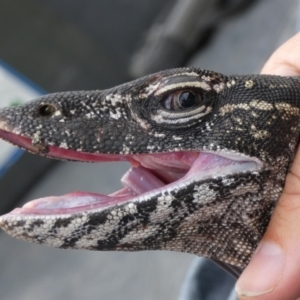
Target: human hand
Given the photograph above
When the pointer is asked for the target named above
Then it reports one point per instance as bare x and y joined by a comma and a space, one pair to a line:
274, 270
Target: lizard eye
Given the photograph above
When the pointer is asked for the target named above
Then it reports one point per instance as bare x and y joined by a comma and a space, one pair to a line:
181, 100
46, 110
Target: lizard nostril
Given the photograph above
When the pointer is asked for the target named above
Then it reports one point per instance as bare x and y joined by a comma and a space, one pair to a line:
46, 110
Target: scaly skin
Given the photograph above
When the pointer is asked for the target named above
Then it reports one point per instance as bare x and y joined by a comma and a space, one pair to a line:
223, 216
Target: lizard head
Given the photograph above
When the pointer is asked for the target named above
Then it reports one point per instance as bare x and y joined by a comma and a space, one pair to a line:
209, 156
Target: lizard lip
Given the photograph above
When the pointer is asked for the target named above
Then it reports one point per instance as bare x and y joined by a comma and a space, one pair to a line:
149, 174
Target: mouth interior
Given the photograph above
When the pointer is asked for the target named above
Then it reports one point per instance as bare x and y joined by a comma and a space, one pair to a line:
149, 173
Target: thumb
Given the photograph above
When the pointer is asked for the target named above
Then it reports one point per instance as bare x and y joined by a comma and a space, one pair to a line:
274, 270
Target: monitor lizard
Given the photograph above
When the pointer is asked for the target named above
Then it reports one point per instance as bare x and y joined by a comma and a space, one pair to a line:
209, 156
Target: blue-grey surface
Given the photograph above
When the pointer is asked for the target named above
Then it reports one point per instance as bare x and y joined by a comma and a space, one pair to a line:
37, 272
206, 281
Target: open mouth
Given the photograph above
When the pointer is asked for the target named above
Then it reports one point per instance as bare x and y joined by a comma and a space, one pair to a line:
149, 174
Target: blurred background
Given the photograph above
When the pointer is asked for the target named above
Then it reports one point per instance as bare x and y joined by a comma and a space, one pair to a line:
58, 45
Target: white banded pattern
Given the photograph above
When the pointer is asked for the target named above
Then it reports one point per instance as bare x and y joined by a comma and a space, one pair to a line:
183, 85
180, 117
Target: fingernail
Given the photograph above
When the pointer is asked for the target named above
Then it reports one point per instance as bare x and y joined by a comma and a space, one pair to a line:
263, 272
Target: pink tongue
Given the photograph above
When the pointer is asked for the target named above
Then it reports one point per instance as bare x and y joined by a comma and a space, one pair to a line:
139, 180
136, 181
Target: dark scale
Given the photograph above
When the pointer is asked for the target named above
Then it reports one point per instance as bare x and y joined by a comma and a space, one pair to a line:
62, 222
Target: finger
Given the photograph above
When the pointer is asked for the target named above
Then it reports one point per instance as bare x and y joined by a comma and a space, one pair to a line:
274, 270
285, 61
